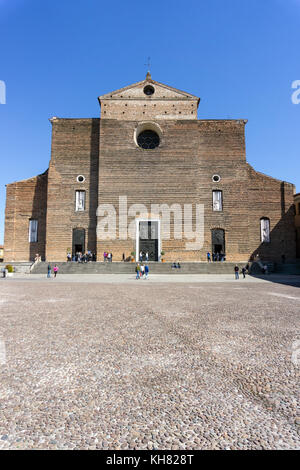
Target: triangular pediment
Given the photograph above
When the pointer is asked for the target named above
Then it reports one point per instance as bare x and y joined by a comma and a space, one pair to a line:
136, 92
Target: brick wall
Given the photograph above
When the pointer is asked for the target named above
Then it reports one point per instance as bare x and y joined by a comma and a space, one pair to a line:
75, 147
25, 200
180, 171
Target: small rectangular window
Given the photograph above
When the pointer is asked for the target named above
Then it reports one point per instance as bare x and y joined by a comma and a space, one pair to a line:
80, 201
217, 201
33, 231
265, 230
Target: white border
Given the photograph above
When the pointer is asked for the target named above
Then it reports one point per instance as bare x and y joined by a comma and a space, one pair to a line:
217, 176
79, 176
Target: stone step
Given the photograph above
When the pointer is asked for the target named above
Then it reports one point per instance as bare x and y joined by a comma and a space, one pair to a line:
127, 268
20, 267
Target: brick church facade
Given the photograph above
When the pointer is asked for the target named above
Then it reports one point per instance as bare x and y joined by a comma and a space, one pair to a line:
149, 146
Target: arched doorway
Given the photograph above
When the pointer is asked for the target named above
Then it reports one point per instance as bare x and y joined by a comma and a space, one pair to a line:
218, 241
78, 240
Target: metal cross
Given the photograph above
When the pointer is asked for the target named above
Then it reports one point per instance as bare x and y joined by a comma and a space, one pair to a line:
148, 64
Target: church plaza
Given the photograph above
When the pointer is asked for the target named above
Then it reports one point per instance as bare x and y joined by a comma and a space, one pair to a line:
192, 362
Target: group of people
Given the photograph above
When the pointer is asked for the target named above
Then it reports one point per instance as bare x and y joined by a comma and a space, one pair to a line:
55, 270
215, 257
142, 271
107, 257
244, 270
142, 255
176, 265
82, 257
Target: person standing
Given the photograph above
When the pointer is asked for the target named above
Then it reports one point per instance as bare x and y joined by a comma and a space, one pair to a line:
49, 270
236, 271
244, 272
147, 257
55, 270
141, 256
208, 257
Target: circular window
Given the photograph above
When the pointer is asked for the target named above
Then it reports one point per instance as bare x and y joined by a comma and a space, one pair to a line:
149, 90
148, 139
216, 178
80, 178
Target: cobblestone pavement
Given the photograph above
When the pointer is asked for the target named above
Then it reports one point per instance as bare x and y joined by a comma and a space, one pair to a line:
140, 365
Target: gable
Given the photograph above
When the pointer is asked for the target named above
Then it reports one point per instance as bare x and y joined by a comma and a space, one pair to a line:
149, 99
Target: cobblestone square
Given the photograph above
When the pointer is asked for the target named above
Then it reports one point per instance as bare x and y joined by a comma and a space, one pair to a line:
149, 365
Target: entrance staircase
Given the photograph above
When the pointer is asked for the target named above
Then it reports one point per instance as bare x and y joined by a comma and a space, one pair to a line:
129, 268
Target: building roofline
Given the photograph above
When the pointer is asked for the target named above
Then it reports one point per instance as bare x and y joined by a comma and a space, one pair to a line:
28, 179
185, 94
268, 176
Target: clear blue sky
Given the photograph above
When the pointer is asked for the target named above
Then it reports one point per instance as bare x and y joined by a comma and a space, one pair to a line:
239, 56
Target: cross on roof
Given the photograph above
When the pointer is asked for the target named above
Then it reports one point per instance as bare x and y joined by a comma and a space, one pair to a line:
148, 64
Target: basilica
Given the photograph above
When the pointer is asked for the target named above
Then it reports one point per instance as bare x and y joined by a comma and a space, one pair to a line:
149, 147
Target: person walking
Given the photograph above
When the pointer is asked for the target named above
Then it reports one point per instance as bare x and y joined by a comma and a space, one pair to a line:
49, 270
265, 269
208, 257
55, 270
244, 272
142, 271
236, 271
137, 270
146, 271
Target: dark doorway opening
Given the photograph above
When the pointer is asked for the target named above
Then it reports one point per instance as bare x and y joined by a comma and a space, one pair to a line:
148, 240
218, 241
78, 244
